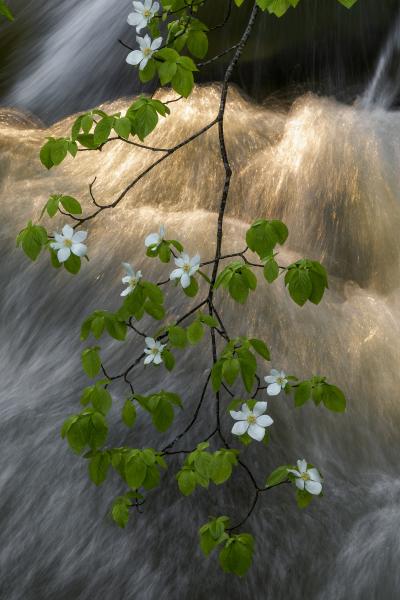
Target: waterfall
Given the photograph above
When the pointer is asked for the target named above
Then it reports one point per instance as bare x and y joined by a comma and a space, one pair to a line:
384, 86
332, 173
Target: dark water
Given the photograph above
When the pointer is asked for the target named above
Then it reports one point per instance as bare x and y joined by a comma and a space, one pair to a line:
60, 57
331, 171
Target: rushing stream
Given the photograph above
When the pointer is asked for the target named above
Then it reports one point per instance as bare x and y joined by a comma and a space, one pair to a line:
332, 173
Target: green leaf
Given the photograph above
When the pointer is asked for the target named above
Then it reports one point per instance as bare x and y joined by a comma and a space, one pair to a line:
230, 370
303, 498
146, 120
157, 311
261, 348
71, 205
91, 361
299, 285
32, 239
98, 467
193, 288
129, 413
271, 270
163, 415
122, 127
5, 11
116, 328
183, 82
177, 336
195, 332
238, 288
237, 555
102, 131
220, 468
135, 471
168, 359
197, 43
278, 476
120, 511
101, 399
72, 264
186, 482
303, 393
333, 398
348, 3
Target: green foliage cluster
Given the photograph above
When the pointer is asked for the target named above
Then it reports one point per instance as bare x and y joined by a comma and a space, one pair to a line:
235, 364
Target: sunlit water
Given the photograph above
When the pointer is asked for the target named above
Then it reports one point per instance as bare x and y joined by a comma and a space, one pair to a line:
332, 173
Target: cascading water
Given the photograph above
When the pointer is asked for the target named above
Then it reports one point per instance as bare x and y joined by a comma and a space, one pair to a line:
385, 84
332, 173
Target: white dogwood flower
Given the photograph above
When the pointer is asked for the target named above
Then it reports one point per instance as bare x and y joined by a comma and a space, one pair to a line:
154, 350
132, 278
308, 479
253, 422
142, 13
147, 48
187, 267
154, 239
277, 382
69, 241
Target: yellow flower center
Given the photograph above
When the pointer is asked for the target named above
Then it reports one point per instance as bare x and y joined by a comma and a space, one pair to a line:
68, 243
147, 52
133, 282
280, 380
186, 268
154, 351
147, 13
305, 476
251, 419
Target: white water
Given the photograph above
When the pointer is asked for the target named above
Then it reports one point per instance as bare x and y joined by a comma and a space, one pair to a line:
384, 86
332, 172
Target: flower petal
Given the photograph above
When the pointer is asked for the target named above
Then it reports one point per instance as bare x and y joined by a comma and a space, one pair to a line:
144, 62
156, 43
176, 274
264, 421
300, 483
157, 359
195, 261
149, 358
128, 268
134, 57
79, 249
313, 487
185, 280
302, 465
134, 19
256, 432
79, 237
270, 379
246, 410
294, 472
68, 232
56, 245
126, 291
314, 474
59, 238
63, 254
273, 389
150, 342
238, 415
259, 408
152, 239
240, 428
